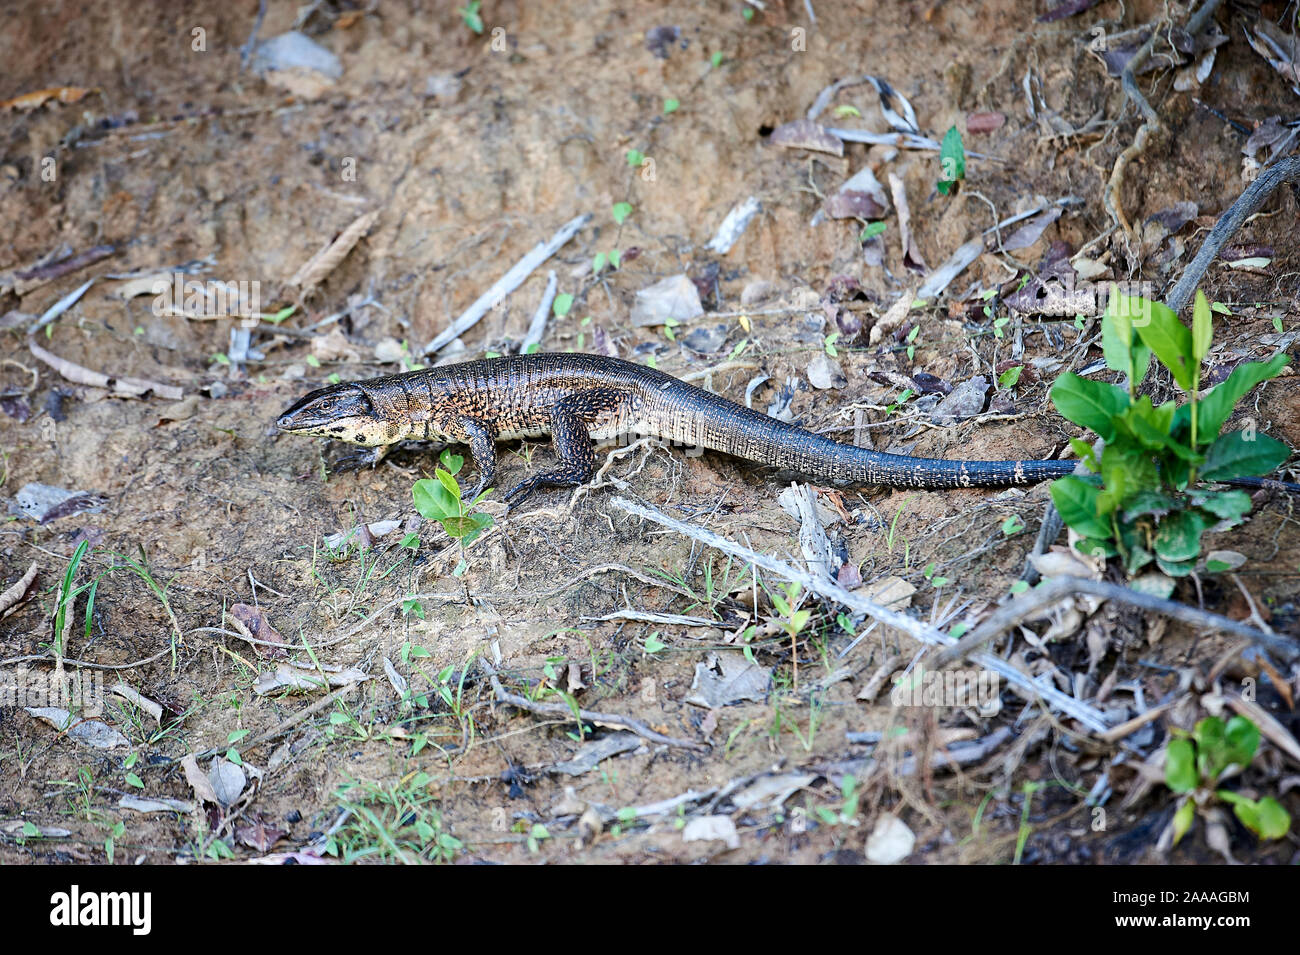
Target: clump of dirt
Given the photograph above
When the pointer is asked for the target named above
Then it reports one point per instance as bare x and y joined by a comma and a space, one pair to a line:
471, 148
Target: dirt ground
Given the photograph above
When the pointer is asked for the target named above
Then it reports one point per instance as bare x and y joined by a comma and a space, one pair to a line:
471, 148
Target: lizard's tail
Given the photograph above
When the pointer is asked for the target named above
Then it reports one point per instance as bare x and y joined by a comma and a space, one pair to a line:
874, 467
749, 434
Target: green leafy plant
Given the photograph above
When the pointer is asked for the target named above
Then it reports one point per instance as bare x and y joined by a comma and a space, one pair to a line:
1141, 502
395, 822
928, 573
439, 499
1195, 763
952, 161
620, 211
613, 258
792, 621
471, 16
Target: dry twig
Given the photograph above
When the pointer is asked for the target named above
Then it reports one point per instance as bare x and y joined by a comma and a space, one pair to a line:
563, 709
919, 631
1030, 602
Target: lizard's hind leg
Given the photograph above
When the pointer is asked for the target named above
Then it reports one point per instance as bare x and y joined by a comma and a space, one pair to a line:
572, 439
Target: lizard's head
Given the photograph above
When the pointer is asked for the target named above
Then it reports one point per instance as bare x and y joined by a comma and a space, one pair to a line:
343, 412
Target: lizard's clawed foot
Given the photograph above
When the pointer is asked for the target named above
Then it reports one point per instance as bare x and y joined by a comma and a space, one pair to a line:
516, 494
468, 497
357, 460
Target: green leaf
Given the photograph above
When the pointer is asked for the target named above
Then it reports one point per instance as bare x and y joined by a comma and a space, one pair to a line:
1178, 537
1238, 454
1161, 331
1202, 328
671, 105
1274, 821
1148, 502
871, 230
1152, 427
1076, 501
1265, 817
653, 644
1241, 737
634, 157
1175, 568
1225, 505
1124, 471
450, 483
467, 527
432, 500
952, 160
133, 780
1212, 748
1247, 810
615, 258
1180, 768
598, 262
452, 462
282, 314
621, 211
1090, 404
1010, 377
1217, 403
1124, 352
563, 302
1183, 820
1135, 555
1097, 547
1084, 450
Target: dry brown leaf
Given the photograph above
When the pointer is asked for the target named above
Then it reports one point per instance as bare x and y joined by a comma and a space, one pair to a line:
34, 100
10, 597
316, 269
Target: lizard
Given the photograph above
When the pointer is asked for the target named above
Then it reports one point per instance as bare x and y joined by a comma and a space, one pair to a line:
577, 399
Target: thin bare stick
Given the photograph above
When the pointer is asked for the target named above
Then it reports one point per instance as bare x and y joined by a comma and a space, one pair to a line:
84, 664
1247, 204
563, 709
646, 616
59, 307
537, 327
506, 284
1030, 602
901, 140
132, 387
287, 724
917, 630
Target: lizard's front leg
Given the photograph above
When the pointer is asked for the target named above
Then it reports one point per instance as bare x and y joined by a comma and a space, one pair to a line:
483, 451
